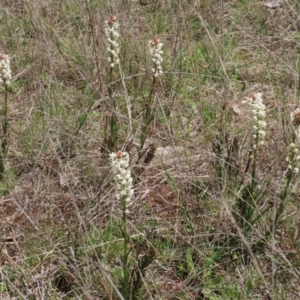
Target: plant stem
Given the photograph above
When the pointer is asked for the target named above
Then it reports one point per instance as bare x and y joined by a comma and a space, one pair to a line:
126, 275
282, 197
113, 118
148, 117
5, 130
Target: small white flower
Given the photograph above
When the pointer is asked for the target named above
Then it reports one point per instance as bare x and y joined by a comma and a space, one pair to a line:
123, 193
261, 133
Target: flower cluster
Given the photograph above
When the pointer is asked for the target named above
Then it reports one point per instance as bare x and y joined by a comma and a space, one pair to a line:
258, 114
155, 50
123, 179
5, 72
112, 35
295, 118
293, 157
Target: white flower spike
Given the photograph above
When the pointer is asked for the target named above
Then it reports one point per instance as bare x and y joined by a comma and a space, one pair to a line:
5, 72
258, 115
155, 50
112, 36
123, 178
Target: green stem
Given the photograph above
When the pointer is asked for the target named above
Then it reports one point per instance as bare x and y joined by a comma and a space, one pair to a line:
253, 174
5, 131
126, 275
148, 117
282, 197
284, 192
110, 141
247, 198
251, 201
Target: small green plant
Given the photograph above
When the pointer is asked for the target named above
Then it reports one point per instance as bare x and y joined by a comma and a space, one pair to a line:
293, 158
253, 192
250, 193
132, 269
5, 77
123, 179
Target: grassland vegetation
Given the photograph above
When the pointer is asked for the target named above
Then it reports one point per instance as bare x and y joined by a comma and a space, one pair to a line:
149, 149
